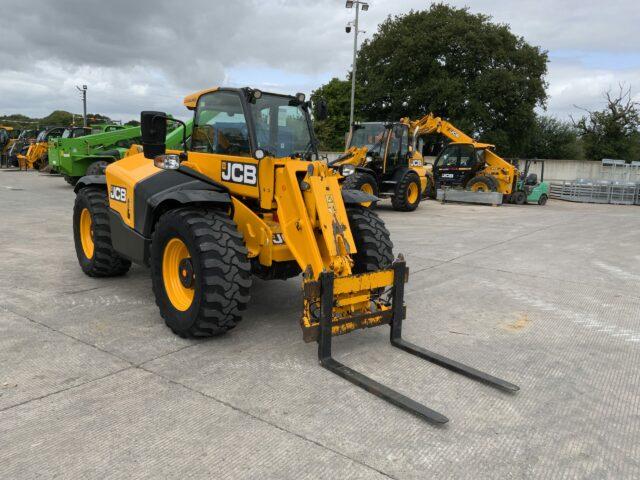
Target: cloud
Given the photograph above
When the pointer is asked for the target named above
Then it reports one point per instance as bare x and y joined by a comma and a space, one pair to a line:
147, 54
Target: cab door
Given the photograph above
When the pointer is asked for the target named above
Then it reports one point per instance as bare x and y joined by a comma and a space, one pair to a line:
397, 152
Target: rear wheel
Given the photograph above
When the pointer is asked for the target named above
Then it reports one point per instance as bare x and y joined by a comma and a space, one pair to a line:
92, 235
543, 199
406, 197
200, 271
482, 183
71, 180
372, 239
97, 167
361, 181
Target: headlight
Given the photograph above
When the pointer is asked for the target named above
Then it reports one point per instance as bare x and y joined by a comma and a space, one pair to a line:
347, 170
167, 162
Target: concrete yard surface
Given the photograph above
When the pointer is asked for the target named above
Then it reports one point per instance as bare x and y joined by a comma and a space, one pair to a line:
94, 385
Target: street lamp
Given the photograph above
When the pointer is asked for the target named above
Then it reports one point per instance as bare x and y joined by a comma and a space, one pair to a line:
365, 6
83, 90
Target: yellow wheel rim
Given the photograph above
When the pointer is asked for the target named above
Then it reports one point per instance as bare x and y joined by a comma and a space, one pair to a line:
479, 187
86, 233
367, 188
177, 274
413, 192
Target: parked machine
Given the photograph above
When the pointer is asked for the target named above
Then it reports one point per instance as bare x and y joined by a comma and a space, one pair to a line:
37, 155
249, 197
76, 155
464, 162
530, 189
5, 141
20, 146
378, 161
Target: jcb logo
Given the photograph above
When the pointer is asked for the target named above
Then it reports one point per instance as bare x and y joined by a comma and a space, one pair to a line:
278, 239
237, 172
119, 194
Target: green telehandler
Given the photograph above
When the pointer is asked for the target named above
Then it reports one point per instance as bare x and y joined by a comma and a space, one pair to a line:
75, 156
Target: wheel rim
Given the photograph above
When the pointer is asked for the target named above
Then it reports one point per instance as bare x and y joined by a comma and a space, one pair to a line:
367, 188
412, 193
86, 233
177, 274
479, 187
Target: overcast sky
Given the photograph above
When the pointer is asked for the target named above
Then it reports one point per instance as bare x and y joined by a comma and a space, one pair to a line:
148, 54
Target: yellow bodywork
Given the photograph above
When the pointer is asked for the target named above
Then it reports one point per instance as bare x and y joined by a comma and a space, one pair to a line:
34, 155
297, 201
495, 166
357, 156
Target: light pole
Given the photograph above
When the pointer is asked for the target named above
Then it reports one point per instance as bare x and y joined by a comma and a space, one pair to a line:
83, 90
365, 7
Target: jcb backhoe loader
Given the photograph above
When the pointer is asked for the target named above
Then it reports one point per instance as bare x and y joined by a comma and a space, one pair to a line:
465, 162
378, 161
250, 197
36, 157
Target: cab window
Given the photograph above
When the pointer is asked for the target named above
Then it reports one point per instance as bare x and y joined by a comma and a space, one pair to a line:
468, 157
449, 157
220, 125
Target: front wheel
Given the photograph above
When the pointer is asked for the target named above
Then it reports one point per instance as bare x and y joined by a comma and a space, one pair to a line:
519, 197
200, 271
372, 239
482, 183
362, 181
543, 199
406, 197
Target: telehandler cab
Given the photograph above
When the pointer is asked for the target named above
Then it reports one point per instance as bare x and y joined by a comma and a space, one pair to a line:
250, 197
378, 161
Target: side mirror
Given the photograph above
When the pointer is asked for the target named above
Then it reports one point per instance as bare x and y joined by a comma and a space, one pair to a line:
322, 110
153, 126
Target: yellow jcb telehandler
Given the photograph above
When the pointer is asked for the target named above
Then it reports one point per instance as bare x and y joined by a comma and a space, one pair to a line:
36, 157
463, 162
379, 161
250, 197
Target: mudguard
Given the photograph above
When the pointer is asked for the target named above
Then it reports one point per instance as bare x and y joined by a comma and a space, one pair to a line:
89, 180
176, 189
356, 197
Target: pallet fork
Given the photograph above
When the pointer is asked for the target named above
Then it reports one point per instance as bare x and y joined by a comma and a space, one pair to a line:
395, 321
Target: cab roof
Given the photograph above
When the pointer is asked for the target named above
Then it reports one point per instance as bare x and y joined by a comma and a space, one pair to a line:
190, 101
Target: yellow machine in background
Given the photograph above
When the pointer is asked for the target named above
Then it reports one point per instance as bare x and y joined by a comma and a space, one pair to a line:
250, 197
379, 160
463, 162
36, 156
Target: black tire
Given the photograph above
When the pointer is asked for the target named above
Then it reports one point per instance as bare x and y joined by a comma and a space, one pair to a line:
372, 239
430, 191
358, 180
519, 197
71, 180
543, 199
105, 261
97, 167
401, 200
486, 182
218, 259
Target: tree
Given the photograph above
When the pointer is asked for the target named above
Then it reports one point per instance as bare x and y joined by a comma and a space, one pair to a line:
331, 132
613, 132
459, 65
553, 138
